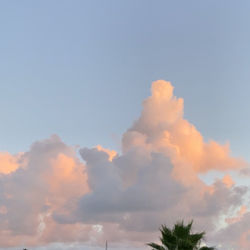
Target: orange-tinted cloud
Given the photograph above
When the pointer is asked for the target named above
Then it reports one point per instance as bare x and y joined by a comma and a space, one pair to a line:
51, 179
48, 195
163, 128
111, 153
67, 171
8, 163
228, 181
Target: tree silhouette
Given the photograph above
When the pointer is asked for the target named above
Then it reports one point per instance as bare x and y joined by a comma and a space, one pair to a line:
180, 238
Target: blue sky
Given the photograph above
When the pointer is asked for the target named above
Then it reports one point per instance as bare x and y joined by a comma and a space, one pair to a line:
80, 69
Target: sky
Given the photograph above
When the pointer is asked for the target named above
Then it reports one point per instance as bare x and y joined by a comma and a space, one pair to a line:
100, 99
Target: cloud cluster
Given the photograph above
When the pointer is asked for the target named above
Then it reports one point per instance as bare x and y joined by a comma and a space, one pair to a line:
49, 195
45, 179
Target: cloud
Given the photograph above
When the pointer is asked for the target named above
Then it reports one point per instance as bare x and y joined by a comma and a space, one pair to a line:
237, 234
143, 198
8, 163
49, 194
156, 178
49, 176
162, 127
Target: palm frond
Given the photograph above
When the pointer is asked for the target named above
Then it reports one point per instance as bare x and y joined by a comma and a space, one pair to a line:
207, 248
156, 246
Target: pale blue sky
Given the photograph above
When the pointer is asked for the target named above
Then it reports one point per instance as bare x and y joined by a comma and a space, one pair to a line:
80, 69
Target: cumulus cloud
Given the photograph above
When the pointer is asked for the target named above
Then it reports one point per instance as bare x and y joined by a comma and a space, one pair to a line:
49, 195
156, 178
162, 127
48, 176
8, 163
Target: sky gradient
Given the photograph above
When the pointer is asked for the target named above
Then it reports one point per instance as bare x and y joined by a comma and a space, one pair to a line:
76, 74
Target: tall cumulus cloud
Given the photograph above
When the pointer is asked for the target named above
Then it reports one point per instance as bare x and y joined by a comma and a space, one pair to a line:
49, 194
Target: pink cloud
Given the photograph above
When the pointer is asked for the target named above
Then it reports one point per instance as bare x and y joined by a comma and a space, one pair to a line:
49, 195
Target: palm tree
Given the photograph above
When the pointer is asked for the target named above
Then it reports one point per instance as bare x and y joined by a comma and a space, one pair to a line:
180, 238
